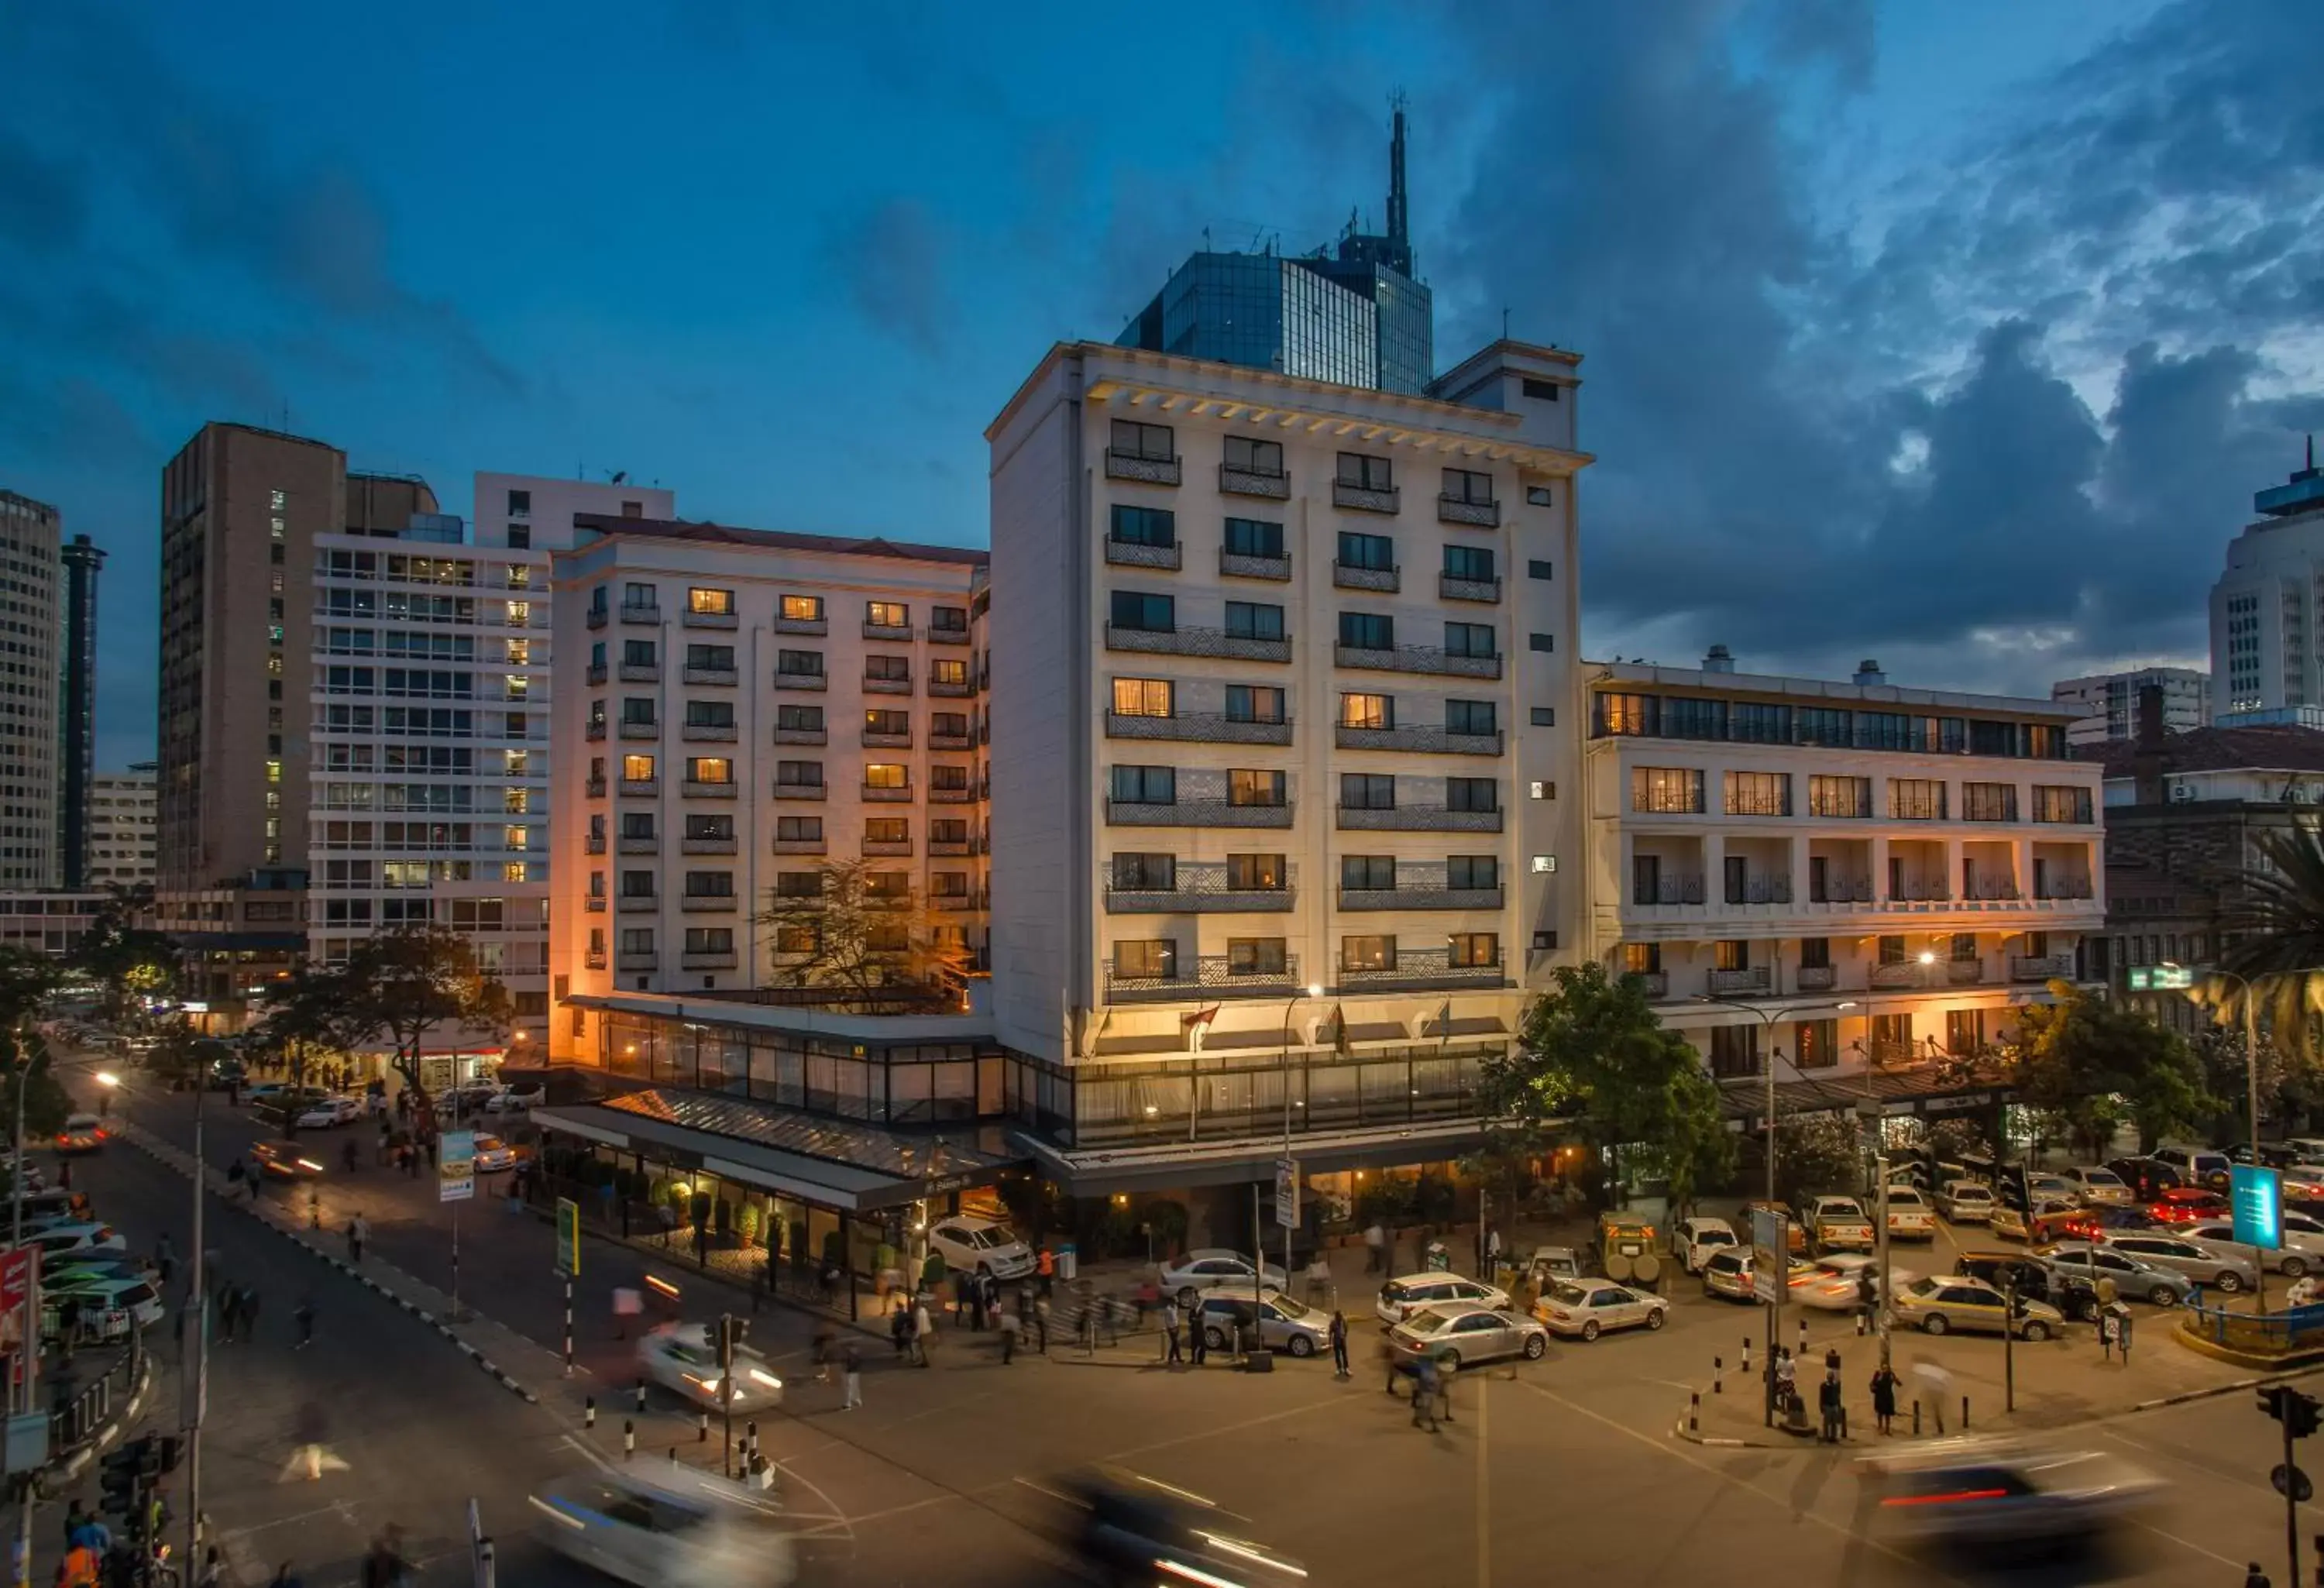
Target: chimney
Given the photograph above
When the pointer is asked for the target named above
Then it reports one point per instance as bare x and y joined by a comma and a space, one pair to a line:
1868, 671
1720, 660
2147, 759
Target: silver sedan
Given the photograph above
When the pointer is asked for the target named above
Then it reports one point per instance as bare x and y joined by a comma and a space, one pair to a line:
1467, 1333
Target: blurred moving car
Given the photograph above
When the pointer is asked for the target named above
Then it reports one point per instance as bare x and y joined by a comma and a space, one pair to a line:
1988, 1491
1131, 1530
1964, 1202
1695, 1241
1467, 1333
1283, 1323
684, 1358
1941, 1304
492, 1155
2097, 1187
1206, 1268
1834, 1284
82, 1132
981, 1246
284, 1160
678, 1527
1910, 1216
1398, 1298
1589, 1307
57, 1238
2129, 1275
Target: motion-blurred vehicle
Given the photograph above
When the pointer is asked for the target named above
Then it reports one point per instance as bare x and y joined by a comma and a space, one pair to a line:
1945, 1303
1131, 1532
2302, 1250
1282, 1323
1467, 1333
1909, 1217
1206, 1268
284, 1160
516, 1099
2097, 1187
2073, 1295
2187, 1205
2130, 1277
1965, 1202
2050, 1219
1695, 1241
85, 1237
2196, 1166
1988, 1491
1832, 1284
326, 1112
2224, 1269
82, 1132
981, 1246
684, 1358
1795, 1233
1399, 1299
1838, 1223
674, 1528
1589, 1307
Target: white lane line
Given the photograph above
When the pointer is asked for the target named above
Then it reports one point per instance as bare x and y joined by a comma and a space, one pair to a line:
2183, 1544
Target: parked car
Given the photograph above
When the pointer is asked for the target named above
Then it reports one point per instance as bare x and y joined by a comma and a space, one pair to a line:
2197, 1165
1553, 1264
2049, 1219
1469, 1333
1283, 1323
1400, 1298
684, 1358
2273, 1155
1208, 1267
1797, 1236
326, 1112
1695, 1241
1965, 1202
1910, 1216
2306, 1149
1728, 1274
82, 1132
1836, 1284
2073, 1295
109, 1292
981, 1246
87, 1237
2132, 1277
516, 1099
1942, 1303
1838, 1223
2303, 1242
1625, 1246
1587, 1307
2097, 1187
2147, 1177
2220, 1268
2187, 1205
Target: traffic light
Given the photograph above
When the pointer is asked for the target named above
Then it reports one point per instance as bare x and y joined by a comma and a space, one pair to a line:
173, 1450
120, 1477
2302, 1415
731, 1331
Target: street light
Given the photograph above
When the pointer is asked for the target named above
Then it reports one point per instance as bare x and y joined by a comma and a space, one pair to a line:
1767, 1017
1258, 1250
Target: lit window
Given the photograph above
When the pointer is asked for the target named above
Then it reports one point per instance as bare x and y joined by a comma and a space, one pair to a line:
276, 499
636, 769
1141, 698
519, 686
710, 768
803, 609
519, 612
879, 775
711, 603
519, 652
517, 837
274, 772
887, 615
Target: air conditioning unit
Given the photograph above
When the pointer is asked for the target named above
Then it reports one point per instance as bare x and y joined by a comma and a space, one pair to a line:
2181, 793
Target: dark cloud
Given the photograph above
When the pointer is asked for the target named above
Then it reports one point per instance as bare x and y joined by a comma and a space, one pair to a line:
892, 262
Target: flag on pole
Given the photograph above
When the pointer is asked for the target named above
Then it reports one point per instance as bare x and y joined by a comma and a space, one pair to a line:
1192, 1026
1340, 1030
1445, 1018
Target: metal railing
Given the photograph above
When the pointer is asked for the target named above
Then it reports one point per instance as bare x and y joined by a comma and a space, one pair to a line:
1214, 977
1245, 482
707, 846
945, 634
1150, 471
802, 791
1455, 510
886, 847
1363, 499
1201, 810
802, 736
1238, 566
1429, 738
1818, 978
638, 672
1453, 588
1752, 982
1855, 892
1347, 576
1197, 886
1138, 554
1416, 818
638, 613
784, 680
1210, 727
701, 789
638, 843
1421, 896
712, 675
632, 729
1186, 642
596, 672
803, 625
2073, 889
952, 741
1415, 659
1905, 976
1760, 890
947, 687
709, 960
1668, 891
885, 686
1421, 968
707, 732
897, 632
1964, 972
874, 740
947, 794
691, 619
644, 961
886, 793
2040, 968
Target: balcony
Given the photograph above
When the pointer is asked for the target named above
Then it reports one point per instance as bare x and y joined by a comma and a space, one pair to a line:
802, 791
596, 672
1138, 554
886, 848
594, 959
637, 844
593, 729
1235, 566
594, 904
1760, 890
640, 788
598, 617
951, 847
1363, 499
952, 688
802, 736
878, 741
697, 788
707, 846
1415, 659
2041, 967
1213, 977
900, 632
940, 634
595, 843
1183, 641
638, 672
1753, 983
1201, 811
1247, 482
1347, 576
718, 961
1452, 588
1416, 818
1419, 970
1858, 891
712, 675
1904, 977
952, 741
700, 904
801, 847
692, 619
638, 903
801, 681
955, 902
2076, 888
707, 732
1201, 727
595, 789
1455, 510
1200, 886
641, 730
887, 794
802, 625
1425, 738
631, 961
1964, 972
640, 612
940, 795
1818, 978
1655, 984
1146, 471
1420, 896
872, 685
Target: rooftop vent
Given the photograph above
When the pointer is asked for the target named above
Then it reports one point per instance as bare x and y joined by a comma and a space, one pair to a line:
1868, 671
1720, 660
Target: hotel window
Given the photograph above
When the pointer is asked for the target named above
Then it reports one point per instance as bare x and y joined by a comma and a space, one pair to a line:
1478, 718
1246, 456
2054, 803
1256, 956
1817, 724
1734, 1051
1143, 785
948, 620
1916, 800
710, 884
1846, 798
1146, 873
1141, 698
1366, 791
1473, 871
799, 774
1759, 794
1964, 947
799, 830
1624, 715
1255, 874
798, 664
947, 830
888, 721
711, 827
797, 938
1685, 717
1252, 537
1469, 639
880, 774
1469, 562
638, 711
1989, 802
798, 719
637, 884
894, 670
637, 597
1468, 485
1372, 553
948, 724
636, 769
1144, 526
1731, 953
1367, 631
1367, 473
710, 768
1819, 1044
1471, 794
1964, 1031
1148, 443
1368, 711
1255, 788
798, 884
1154, 959
1135, 609
1889, 949
710, 602
1815, 954
1666, 790
887, 614
710, 714
1886, 730
1474, 950
1642, 959
950, 672
1254, 620
637, 940
709, 939
952, 778
1371, 952
803, 609
887, 829
1254, 703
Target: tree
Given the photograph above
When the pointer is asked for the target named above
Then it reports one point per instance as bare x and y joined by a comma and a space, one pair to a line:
2274, 937
2075, 1056
46, 1103
1821, 1153
320, 1007
860, 939
1592, 1054
399, 984
26, 981
129, 962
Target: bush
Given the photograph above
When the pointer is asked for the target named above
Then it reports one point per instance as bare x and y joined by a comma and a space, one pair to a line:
933, 1271
835, 1245
1168, 1220
746, 1223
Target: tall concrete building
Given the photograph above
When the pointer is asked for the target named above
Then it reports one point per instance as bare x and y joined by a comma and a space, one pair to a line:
2109, 702
30, 581
77, 712
120, 830
2267, 610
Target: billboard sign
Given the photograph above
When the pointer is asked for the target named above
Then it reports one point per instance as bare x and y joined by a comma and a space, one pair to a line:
1771, 1255
456, 1167
2256, 1195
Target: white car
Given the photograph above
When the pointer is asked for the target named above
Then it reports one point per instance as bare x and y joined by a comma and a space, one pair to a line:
75, 1238
1837, 1225
1909, 1217
1468, 1334
493, 1155
2037, 1186
684, 1358
1209, 1266
981, 1246
1587, 1307
1831, 1285
108, 1292
2303, 1250
83, 1132
1965, 1202
1695, 1241
516, 1099
1398, 1299
2097, 1187
680, 1527
325, 1112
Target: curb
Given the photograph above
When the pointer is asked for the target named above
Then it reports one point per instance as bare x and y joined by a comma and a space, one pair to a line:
2217, 1391
1679, 1430
491, 1368
73, 1465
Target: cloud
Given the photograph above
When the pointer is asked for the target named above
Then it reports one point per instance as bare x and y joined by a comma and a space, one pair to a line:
891, 261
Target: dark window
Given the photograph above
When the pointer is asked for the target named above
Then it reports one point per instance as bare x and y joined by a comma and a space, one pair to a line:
1368, 631
1468, 485
1151, 613
1151, 442
1252, 537
1146, 873
1144, 785
1470, 794
1470, 716
1254, 620
1366, 472
709, 714
1375, 553
1374, 874
1542, 642
1366, 791
1469, 562
1539, 569
949, 620
1145, 526
799, 663
1540, 391
798, 829
710, 826
1469, 639
1815, 954
1254, 457
800, 774
806, 719
1253, 703
1472, 871
896, 668
710, 656
1543, 716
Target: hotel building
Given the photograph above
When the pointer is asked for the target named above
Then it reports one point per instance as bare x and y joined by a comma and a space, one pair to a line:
121, 829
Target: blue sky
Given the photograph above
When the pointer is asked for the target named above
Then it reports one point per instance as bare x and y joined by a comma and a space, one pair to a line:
1955, 334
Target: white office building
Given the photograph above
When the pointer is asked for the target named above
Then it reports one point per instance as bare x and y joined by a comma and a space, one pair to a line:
30, 572
2267, 610
2108, 703
121, 829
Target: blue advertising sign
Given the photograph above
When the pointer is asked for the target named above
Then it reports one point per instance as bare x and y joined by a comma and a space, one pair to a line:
2257, 1194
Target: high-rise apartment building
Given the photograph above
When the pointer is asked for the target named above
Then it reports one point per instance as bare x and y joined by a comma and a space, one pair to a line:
77, 712
121, 829
2109, 702
30, 575
2267, 610
1353, 314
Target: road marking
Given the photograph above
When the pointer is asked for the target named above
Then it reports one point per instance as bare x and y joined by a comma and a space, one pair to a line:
2183, 1544
1484, 1495
851, 1523
1213, 1433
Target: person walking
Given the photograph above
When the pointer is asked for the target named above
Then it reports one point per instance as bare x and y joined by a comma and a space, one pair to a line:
1884, 1398
349, 1156
2254, 1577
1933, 1385
359, 1232
229, 1314
1835, 1415
1447, 1366
851, 1369
1046, 1267
304, 1315
249, 1311
923, 1330
900, 1333
234, 1173
824, 1334
1493, 1250
1338, 1334
1424, 1393
1170, 1353
1786, 1374
1007, 1338
1375, 1247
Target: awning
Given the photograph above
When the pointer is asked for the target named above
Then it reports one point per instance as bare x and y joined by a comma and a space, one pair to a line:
1917, 1089
831, 1163
1101, 1171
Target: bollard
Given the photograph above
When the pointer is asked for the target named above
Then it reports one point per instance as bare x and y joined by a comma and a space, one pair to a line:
702, 1428
1859, 1326
1694, 1412
589, 1412
487, 1564
1718, 1373
1964, 1414
1803, 1336
673, 1455
641, 1395
1916, 1419
628, 1438
1746, 1356
750, 1438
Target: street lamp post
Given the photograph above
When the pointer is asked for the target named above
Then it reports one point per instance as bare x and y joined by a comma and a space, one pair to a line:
1258, 1257
1768, 1018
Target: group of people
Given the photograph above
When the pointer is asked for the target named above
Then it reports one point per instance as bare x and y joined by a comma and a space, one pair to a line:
1831, 1404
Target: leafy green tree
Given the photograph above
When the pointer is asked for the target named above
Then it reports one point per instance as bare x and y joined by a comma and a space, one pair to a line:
2272, 935
46, 1102
130, 963
1818, 1153
26, 981
2075, 1056
1593, 1057
399, 984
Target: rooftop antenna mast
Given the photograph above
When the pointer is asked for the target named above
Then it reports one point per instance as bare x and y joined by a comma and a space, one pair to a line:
1399, 220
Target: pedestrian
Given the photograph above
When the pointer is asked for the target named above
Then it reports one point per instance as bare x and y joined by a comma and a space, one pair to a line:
1041, 1324
76, 1518
923, 1330
233, 1173
1375, 1247
899, 1332
229, 1314
2254, 1577
1007, 1338
359, 1232
212, 1572
850, 1367
64, 1173
1046, 1266
977, 1307
825, 1333
255, 1181
304, 1314
386, 1144
1785, 1375
1832, 1359
349, 1156
1492, 1250
1424, 1392
1447, 1365
1172, 1357
249, 1311
1339, 1344
1319, 1279
165, 1261
1828, 1401
285, 1578
1884, 1398
1932, 1386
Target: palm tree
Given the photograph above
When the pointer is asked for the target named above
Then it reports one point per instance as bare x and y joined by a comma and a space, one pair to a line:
2273, 938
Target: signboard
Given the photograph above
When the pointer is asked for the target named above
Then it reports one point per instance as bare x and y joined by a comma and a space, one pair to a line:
1287, 1192
568, 1237
456, 1167
1771, 1261
2161, 978
2257, 1197
15, 1306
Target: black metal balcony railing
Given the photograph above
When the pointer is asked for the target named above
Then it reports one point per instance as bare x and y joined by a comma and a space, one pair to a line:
707, 846
1208, 727
647, 729
784, 680
1667, 891
1903, 976
598, 617
1991, 892
596, 672
593, 729
637, 903
1138, 554
802, 791
594, 959
945, 634
1235, 565
951, 847
1818, 978
1427, 738
595, 788
1453, 588
801, 847
1146, 471
1212, 975
2040, 968
950, 687
1186, 642
952, 741
1364, 499
1347, 576
1455, 510
638, 843
1420, 896
1858, 891
640, 788
950, 794
1657, 984
707, 732
1964, 972
712, 675
1751, 983
1760, 890
886, 686
640, 612
1416, 818
1416, 659
636, 961
640, 672
705, 902
692, 619
897, 632
1212, 810
710, 960
802, 625
1420, 969
1248, 482
2073, 888
882, 848
1198, 887
595, 843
